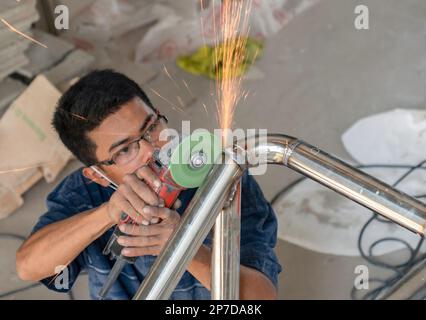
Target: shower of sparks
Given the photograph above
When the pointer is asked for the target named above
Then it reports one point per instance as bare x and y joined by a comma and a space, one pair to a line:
179, 98
180, 102
246, 95
205, 109
171, 78
173, 106
12, 28
187, 88
229, 59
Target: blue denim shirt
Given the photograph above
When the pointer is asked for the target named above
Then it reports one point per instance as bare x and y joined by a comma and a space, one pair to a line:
76, 194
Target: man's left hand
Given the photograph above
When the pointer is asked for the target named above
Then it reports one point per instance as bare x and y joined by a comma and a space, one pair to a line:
149, 240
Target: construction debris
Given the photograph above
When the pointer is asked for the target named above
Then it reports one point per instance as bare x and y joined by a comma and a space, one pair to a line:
60, 62
75, 64
42, 59
10, 89
33, 148
25, 112
26, 134
103, 20
21, 15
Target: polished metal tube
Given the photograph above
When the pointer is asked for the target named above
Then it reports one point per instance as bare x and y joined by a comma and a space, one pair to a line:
197, 221
225, 275
412, 286
338, 176
300, 156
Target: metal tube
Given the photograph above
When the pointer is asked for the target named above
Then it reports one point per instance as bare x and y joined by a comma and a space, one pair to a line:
112, 277
412, 286
276, 149
338, 176
196, 223
225, 280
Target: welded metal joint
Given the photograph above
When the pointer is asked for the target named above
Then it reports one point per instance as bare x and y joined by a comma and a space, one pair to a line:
288, 151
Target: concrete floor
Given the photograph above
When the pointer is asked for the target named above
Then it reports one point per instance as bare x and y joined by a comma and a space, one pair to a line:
320, 76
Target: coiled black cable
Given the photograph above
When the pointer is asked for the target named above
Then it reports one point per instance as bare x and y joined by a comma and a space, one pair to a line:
400, 269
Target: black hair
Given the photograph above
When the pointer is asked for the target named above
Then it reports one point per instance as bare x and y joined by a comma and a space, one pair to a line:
84, 106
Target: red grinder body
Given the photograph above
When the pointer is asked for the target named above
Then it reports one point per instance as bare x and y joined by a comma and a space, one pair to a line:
169, 191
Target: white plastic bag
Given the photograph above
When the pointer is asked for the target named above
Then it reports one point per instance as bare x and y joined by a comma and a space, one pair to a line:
107, 19
393, 137
176, 35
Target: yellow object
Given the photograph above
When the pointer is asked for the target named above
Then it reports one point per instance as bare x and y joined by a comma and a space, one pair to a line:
202, 62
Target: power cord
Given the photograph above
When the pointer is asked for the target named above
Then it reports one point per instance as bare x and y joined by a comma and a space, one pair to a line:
399, 269
414, 252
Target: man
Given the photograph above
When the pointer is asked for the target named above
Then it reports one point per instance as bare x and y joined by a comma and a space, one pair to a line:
109, 124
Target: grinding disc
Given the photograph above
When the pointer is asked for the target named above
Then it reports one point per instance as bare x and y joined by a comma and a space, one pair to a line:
202, 144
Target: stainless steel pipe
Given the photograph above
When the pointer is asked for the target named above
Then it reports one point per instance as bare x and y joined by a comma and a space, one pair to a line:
196, 223
225, 274
412, 286
300, 156
340, 177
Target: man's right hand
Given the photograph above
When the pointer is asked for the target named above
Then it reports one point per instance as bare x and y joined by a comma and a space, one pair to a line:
137, 190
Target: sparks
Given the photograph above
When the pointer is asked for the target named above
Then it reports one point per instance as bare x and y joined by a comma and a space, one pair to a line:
229, 57
205, 109
179, 99
12, 28
173, 106
79, 117
170, 77
187, 88
4, 171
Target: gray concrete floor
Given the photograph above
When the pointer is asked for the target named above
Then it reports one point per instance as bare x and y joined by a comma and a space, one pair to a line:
320, 76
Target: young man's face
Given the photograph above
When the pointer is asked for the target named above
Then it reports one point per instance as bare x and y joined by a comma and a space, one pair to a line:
113, 136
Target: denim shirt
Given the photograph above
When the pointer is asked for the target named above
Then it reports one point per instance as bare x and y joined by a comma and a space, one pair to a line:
76, 194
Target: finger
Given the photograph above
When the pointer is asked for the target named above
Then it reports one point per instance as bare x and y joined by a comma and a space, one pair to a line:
145, 241
163, 213
150, 177
177, 204
128, 209
155, 220
137, 202
142, 190
140, 230
137, 252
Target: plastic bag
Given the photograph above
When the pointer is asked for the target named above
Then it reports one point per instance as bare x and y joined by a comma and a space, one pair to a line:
175, 35
107, 19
